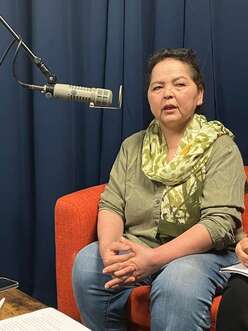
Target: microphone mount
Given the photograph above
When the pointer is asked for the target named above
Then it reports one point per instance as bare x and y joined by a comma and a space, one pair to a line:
51, 78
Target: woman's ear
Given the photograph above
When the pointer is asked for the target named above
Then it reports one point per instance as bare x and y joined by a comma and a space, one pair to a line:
200, 96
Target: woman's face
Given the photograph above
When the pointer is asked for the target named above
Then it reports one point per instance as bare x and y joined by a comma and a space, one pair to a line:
172, 94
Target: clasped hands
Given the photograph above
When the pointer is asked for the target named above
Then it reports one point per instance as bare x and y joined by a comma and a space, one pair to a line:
127, 262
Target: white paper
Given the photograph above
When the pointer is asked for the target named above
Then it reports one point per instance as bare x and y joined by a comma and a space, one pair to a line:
46, 319
236, 268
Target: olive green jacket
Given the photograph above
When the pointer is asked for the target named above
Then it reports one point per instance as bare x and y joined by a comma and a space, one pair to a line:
137, 199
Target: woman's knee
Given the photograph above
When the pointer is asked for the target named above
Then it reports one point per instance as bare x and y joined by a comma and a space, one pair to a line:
87, 264
185, 278
182, 284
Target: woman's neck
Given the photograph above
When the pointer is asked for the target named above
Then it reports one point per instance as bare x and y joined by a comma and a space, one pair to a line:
173, 136
172, 139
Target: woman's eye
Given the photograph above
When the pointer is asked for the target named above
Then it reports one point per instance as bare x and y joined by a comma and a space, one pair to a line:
180, 84
156, 88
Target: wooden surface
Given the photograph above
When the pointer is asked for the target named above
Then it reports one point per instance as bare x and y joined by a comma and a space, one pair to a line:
17, 303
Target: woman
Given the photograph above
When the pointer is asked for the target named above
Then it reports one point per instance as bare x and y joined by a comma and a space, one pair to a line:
232, 314
168, 216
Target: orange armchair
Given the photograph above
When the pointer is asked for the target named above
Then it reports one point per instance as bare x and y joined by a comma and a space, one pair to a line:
75, 227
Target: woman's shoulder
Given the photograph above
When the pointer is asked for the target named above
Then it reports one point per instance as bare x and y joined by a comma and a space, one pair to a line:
225, 142
134, 141
225, 149
131, 147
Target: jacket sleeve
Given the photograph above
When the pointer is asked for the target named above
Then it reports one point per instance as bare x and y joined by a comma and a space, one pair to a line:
223, 193
113, 197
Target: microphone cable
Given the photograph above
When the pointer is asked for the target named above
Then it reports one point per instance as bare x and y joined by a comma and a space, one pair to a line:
7, 51
3, 57
23, 84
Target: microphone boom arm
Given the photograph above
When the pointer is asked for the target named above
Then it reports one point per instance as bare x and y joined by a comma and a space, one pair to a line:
51, 78
49, 89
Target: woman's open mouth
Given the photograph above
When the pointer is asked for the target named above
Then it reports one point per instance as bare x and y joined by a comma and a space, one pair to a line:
169, 108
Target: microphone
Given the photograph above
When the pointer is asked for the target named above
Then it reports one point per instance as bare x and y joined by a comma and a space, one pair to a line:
96, 96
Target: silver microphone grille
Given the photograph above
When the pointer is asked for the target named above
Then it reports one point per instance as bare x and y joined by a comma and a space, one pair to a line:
97, 96
101, 97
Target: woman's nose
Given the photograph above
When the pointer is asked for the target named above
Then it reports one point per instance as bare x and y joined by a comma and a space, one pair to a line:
168, 93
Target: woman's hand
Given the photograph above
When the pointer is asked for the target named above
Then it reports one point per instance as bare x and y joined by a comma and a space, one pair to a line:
112, 255
242, 251
133, 268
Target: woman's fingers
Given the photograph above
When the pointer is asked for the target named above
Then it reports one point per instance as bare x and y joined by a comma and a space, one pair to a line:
119, 246
113, 268
116, 259
117, 282
128, 270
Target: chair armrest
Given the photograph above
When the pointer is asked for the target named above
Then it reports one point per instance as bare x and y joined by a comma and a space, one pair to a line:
75, 227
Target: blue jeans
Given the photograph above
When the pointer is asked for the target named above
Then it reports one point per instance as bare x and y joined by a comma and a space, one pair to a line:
181, 292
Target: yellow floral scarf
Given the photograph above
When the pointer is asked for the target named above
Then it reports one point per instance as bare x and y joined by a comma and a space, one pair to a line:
183, 176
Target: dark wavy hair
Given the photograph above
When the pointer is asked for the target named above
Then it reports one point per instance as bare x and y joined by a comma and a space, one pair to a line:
185, 55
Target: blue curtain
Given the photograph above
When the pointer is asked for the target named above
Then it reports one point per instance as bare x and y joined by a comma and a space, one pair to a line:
51, 147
